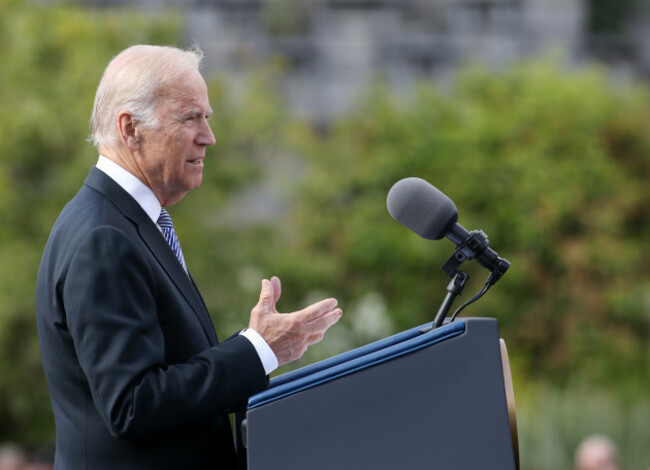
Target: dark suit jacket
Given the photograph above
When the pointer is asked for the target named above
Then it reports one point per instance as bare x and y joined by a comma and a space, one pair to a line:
136, 374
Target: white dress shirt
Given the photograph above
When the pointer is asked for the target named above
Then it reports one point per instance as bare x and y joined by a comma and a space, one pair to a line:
146, 198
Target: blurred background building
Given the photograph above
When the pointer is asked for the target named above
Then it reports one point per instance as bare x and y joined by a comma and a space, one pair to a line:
331, 49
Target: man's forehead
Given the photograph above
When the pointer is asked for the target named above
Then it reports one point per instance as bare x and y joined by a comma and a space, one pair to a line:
186, 102
186, 86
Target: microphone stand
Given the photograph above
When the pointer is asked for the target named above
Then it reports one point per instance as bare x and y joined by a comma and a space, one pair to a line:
454, 289
469, 245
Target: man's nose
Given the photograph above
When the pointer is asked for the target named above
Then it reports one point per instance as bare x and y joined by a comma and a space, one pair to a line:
206, 136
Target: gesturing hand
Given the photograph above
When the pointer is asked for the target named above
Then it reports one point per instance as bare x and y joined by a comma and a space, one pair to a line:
290, 334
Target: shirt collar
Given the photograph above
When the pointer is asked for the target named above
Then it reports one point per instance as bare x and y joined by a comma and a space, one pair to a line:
139, 191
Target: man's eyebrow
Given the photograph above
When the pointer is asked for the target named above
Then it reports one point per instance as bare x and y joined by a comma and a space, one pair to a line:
197, 112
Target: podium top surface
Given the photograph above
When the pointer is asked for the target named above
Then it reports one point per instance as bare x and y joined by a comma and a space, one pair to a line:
353, 361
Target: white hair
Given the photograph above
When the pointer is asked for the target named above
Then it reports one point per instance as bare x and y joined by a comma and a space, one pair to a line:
135, 81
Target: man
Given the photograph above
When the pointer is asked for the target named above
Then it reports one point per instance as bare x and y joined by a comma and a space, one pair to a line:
137, 376
597, 453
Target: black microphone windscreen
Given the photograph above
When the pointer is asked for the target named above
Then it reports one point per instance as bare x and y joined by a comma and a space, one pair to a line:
422, 208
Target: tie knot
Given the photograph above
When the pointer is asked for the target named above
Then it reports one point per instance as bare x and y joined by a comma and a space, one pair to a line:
168, 232
164, 220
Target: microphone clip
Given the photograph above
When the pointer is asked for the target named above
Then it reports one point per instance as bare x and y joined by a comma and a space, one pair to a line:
474, 245
470, 248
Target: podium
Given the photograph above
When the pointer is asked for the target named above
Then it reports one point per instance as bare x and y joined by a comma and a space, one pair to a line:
437, 399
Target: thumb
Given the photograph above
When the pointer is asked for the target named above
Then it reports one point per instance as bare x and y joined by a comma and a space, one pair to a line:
266, 296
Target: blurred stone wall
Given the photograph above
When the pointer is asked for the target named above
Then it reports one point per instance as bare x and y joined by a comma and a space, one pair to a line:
332, 48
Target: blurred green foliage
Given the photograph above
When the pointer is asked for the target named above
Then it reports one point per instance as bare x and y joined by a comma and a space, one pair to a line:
553, 422
51, 60
554, 165
551, 163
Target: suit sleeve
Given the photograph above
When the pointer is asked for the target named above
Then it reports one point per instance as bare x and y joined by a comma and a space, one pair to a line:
110, 297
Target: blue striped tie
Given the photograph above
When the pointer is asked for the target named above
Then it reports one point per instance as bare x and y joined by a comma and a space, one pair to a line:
165, 222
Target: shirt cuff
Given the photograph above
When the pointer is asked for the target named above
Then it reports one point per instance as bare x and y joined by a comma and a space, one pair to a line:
264, 351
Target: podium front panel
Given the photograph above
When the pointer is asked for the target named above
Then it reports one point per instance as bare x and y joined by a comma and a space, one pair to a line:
439, 407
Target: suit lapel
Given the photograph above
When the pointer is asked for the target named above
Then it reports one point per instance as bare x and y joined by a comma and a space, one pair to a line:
156, 243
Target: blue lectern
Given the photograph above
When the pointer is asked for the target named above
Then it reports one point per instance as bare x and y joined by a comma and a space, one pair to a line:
420, 399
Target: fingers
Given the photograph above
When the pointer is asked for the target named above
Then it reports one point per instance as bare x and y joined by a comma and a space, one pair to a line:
270, 294
317, 318
277, 289
317, 310
322, 323
290, 334
315, 338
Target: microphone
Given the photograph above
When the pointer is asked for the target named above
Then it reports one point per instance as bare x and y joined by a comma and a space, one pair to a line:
427, 211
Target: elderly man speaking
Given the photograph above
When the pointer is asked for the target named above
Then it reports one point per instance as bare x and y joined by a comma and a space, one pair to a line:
137, 376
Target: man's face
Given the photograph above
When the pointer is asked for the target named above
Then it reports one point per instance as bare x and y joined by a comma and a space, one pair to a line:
171, 157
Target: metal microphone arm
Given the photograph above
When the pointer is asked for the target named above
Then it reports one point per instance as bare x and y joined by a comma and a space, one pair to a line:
470, 245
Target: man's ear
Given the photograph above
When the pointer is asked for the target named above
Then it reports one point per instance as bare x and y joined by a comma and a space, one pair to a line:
126, 127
